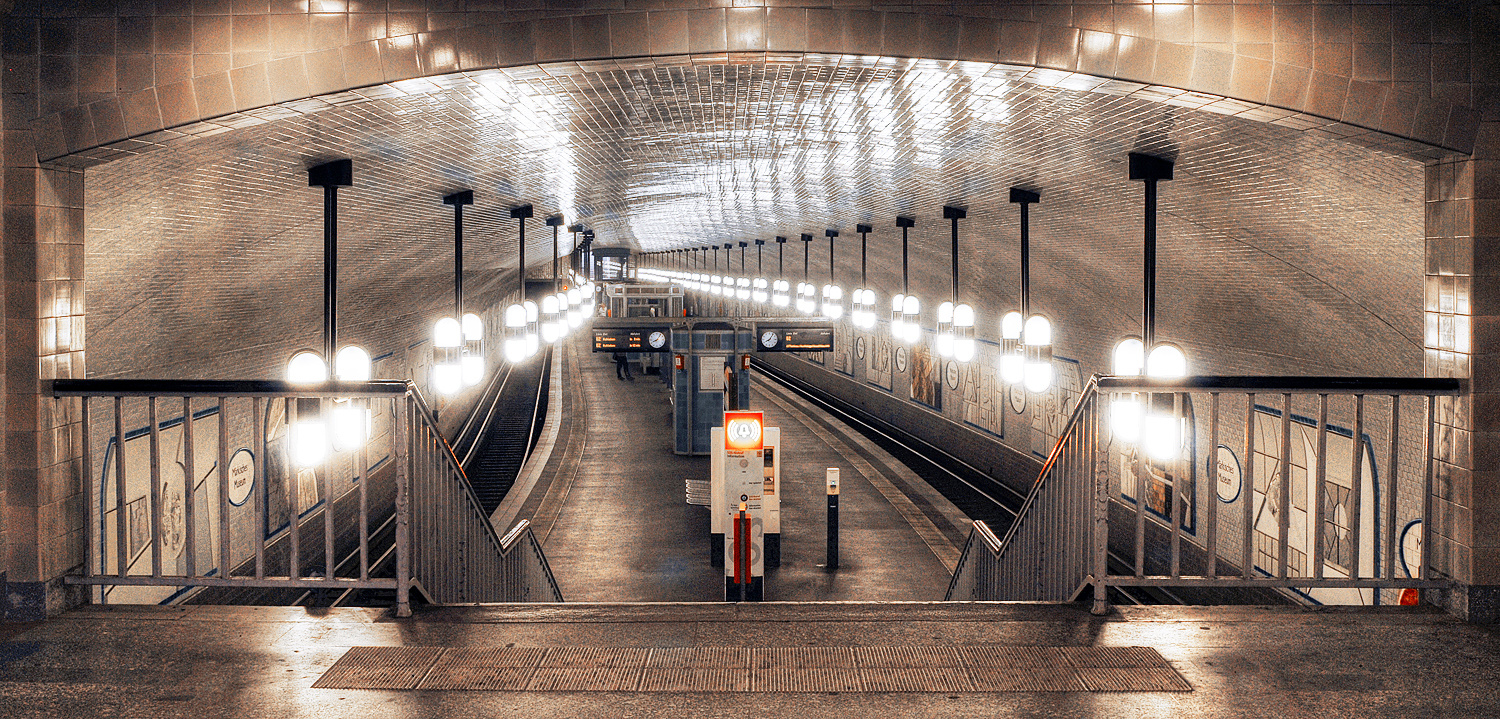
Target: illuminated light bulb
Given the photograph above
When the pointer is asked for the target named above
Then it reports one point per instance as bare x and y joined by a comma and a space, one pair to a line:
515, 349
473, 356
1129, 358
533, 338
351, 425
833, 301
306, 367
963, 333
945, 329
897, 331
309, 443
1166, 362
1012, 356
352, 364
1161, 436
1125, 418
911, 319
1037, 338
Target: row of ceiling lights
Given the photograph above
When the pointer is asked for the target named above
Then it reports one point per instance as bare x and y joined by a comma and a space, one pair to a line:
458, 340
1026, 337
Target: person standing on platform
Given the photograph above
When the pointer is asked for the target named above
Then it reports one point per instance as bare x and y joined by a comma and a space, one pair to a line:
622, 367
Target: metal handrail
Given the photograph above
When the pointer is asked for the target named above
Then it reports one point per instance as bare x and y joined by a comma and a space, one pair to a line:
1084, 404
453, 531
430, 418
1316, 385
223, 388
1070, 542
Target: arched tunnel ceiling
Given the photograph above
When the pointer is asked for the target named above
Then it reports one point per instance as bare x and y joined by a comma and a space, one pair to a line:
1281, 251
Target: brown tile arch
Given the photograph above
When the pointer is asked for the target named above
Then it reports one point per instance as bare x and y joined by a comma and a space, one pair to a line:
474, 41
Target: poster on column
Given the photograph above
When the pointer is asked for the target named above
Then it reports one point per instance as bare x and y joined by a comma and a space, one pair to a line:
1050, 408
1338, 504
926, 383
879, 367
136, 514
981, 403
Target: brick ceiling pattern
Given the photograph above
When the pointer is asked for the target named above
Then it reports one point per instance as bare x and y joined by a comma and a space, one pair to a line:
1279, 248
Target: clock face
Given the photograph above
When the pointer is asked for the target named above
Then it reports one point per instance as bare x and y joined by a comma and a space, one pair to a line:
657, 339
769, 339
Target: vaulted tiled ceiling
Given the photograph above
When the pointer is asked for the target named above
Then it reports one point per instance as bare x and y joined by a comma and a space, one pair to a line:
1280, 249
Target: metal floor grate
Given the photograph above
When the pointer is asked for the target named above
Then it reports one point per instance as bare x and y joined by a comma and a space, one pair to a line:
379, 668
985, 668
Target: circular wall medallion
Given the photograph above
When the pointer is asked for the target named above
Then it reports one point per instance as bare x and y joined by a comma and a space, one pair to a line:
1411, 547
1230, 475
1017, 398
241, 476
951, 374
900, 359
859, 347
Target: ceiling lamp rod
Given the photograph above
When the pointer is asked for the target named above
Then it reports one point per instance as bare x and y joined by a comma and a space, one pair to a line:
955, 332
906, 310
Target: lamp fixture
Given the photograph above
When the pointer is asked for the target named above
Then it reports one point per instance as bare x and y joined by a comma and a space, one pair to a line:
1151, 421
906, 309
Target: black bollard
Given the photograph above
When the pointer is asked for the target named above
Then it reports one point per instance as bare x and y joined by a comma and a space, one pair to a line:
833, 517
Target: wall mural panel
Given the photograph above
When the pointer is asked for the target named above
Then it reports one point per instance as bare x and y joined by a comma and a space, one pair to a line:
843, 347
926, 382
981, 391
1050, 409
1337, 503
882, 348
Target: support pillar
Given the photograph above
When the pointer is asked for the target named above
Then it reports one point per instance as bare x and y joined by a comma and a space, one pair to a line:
1462, 340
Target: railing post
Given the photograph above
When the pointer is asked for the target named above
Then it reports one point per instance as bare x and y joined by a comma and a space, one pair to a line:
1100, 524
404, 411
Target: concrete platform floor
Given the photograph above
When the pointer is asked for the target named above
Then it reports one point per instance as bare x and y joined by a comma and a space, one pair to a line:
618, 527
246, 662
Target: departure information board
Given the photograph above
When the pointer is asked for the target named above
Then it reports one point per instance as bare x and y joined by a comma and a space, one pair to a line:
632, 339
794, 339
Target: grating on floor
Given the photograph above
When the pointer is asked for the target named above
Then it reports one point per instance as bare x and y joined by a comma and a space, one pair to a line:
758, 669
379, 668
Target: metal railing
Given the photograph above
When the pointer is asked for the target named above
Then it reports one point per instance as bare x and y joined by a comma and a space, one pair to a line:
1318, 486
463, 560
1043, 556
197, 483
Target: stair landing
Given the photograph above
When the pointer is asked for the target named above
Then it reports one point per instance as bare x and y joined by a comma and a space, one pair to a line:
773, 659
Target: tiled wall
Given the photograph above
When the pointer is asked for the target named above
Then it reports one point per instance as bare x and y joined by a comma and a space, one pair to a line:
44, 330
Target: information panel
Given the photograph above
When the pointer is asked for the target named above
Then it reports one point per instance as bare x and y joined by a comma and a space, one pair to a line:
794, 339
632, 339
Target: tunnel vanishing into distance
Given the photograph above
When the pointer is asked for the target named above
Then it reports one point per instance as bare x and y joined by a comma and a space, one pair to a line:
1327, 216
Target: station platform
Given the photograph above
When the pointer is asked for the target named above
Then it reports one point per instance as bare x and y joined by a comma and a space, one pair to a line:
615, 525
751, 660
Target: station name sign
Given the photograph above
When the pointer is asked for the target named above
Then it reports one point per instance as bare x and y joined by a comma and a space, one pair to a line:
632, 339
794, 338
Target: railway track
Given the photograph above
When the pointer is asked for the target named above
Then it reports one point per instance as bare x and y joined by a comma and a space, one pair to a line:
975, 493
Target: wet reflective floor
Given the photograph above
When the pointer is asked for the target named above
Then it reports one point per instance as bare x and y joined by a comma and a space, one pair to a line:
1238, 661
